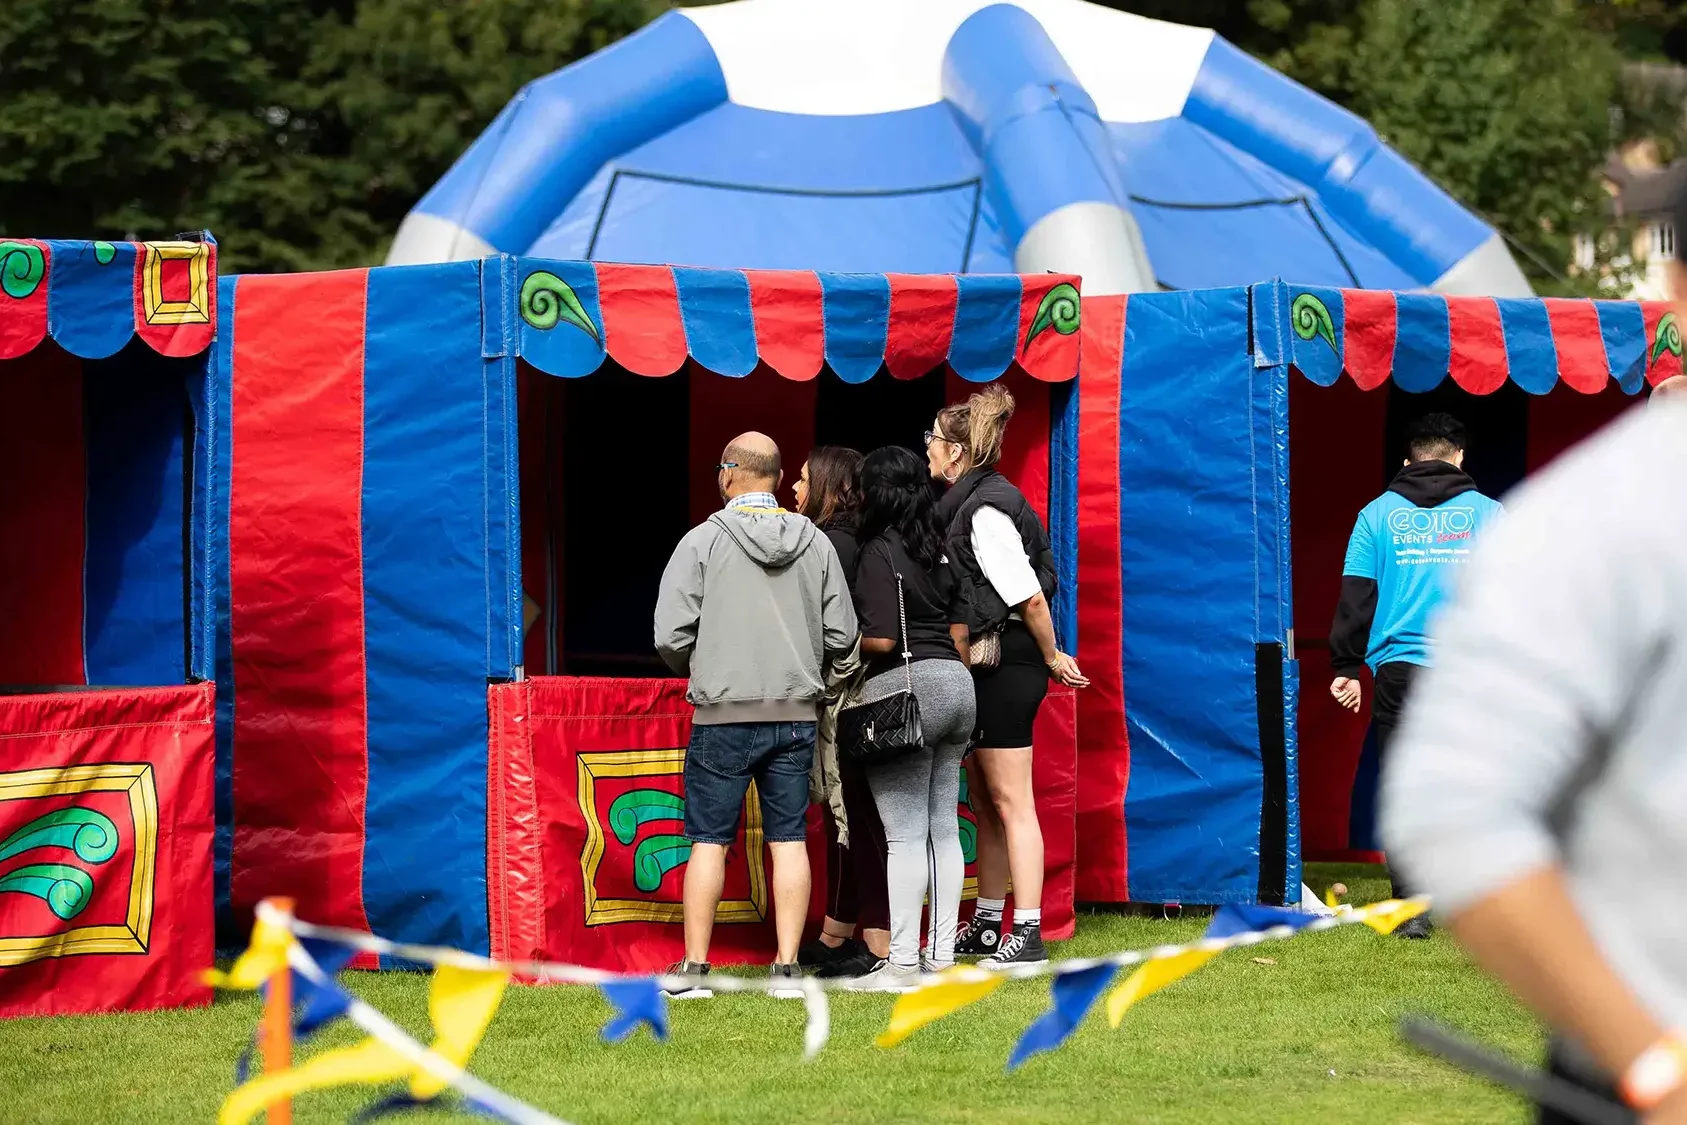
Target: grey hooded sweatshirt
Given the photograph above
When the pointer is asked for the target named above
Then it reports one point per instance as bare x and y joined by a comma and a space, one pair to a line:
1553, 727
753, 607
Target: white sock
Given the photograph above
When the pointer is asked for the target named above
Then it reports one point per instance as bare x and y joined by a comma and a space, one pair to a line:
990, 909
1029, 917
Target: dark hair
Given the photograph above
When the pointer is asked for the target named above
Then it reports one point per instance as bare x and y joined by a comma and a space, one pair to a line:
834, 483
896, 493
1436, 437
979, 424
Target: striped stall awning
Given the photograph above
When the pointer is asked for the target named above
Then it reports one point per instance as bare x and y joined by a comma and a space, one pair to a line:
92, 298
1419, 339
566, 318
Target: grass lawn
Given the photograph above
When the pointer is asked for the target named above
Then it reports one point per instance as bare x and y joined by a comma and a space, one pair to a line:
1312, 1036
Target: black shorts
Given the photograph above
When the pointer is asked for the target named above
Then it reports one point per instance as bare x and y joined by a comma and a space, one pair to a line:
1010, 693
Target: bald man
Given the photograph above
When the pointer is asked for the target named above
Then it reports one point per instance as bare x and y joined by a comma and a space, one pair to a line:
753, 608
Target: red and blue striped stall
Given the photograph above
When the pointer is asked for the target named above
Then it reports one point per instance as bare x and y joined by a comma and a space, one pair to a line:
376, 494
106, 749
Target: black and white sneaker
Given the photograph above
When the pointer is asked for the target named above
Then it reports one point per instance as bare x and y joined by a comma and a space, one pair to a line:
857, 964
1024, 946
697, 972
787, 984
978, 938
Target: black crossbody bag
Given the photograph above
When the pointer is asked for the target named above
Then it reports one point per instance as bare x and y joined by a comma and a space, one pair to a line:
889, 728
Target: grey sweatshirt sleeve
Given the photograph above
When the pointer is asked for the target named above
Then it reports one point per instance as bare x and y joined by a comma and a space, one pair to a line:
837, 608
1536, 661
679, 601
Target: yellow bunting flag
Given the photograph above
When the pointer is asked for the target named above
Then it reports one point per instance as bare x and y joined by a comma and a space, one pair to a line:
953, 990
1151, 977
367, 1063
1386, 917
264, 957
461, 1003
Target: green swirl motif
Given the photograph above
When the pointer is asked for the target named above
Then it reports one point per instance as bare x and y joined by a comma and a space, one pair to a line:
104, 252
655, 857
641, 806
90, 834
1668, 338
547, 299
65, 890
21, 268
1312, 320
1060, 309
969, 840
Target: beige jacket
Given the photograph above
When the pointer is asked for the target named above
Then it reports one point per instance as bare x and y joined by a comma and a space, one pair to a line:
843, 680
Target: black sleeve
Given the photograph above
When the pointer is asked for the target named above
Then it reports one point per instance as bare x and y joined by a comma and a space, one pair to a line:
1350, 632
844, 544
875, 592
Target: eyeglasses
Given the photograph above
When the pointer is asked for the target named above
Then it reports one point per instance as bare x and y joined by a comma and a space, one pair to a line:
726, 465
933, 435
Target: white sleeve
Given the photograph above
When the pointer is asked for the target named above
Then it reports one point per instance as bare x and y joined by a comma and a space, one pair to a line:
1001, 556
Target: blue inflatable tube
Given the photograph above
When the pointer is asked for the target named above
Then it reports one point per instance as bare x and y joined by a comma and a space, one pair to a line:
1364, 183
1050, 168
553, 137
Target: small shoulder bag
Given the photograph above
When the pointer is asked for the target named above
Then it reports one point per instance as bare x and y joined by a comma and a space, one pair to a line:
887, 728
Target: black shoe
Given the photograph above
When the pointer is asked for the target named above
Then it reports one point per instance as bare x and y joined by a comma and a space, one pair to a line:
1024, 946
787, 981
857, 964
698, 971
817, 954
1415, 929
978, 938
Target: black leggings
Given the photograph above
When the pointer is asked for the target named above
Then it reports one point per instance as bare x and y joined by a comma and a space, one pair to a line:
1393, 683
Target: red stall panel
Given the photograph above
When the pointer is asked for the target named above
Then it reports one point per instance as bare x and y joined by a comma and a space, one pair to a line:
105, 850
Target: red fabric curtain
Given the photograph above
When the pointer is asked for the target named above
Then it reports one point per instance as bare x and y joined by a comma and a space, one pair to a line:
42, 511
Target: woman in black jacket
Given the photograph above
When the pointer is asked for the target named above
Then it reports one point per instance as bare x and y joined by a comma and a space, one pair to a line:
828, 492
1005, 575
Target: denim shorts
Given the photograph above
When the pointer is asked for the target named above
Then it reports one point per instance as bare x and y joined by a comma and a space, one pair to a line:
721, 762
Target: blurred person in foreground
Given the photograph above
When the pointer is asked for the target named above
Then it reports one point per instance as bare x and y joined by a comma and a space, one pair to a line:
1405, 545
1538, 791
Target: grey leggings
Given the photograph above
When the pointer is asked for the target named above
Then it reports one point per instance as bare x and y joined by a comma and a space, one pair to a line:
917, 796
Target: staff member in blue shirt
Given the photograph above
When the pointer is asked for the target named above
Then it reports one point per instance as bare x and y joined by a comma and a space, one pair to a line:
1404, 549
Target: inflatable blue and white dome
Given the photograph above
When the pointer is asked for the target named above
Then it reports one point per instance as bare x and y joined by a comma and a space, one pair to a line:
943, 136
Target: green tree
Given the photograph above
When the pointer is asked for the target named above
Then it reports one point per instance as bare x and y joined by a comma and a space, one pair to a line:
1505, 103
299, 131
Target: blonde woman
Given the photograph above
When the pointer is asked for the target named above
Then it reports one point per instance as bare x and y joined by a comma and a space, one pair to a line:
1005, 574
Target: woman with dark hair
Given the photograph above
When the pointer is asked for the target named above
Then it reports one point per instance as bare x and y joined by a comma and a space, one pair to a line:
1005, 576
904, 593
828, 492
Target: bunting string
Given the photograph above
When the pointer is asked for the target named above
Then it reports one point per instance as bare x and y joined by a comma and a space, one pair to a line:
467, 989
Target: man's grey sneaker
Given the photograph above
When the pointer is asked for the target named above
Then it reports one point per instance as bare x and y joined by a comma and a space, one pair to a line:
978, 938
698, 971
1024, 946
786, 975
888, 978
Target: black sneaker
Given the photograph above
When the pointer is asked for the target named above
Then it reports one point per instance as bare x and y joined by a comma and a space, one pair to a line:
697, 971
978, 938
857, 964
787, 981
1024, 946
818, 955
1415, 929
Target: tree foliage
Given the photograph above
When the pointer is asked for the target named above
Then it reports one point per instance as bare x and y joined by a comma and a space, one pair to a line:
300, 131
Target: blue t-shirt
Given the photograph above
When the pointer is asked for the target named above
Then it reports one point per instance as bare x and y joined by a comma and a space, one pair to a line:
1411, 554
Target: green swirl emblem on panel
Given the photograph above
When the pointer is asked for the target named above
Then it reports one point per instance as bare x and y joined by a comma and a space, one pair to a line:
547, 300
87, 832
1060, 309
66, 890
655, 857
22, 267
641, 806
1312, 320
1668, 338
